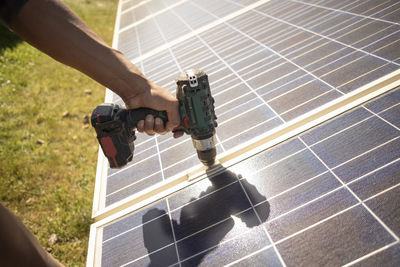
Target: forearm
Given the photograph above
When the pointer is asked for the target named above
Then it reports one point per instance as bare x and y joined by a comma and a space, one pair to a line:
53, 28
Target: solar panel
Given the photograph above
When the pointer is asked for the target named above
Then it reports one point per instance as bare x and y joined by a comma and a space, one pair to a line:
328, 196
267, 66
270, 64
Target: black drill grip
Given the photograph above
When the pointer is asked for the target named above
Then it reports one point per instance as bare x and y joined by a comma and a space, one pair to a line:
135, 115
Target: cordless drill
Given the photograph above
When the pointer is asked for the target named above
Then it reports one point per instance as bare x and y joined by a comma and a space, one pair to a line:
115, 125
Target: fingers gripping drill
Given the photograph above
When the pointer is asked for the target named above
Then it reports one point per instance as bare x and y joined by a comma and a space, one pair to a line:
115, 125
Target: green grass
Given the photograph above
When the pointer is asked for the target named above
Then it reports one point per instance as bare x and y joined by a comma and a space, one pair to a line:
47, 153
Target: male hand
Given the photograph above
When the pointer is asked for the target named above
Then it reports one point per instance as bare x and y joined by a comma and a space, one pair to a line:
157, 98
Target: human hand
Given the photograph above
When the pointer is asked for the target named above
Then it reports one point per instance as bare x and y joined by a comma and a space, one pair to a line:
157, 98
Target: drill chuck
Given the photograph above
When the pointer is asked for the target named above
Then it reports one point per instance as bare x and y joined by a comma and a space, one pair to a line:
206, 149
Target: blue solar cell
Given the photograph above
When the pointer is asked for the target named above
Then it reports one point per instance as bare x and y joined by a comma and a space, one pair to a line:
219, 207
335, 126
154, 235
134, 187
340, 240
385, 257
354, 141
386, 207
387, 101
212, 237
302, 194
132, 221
377, 181
313, 213
266, 257
392, 115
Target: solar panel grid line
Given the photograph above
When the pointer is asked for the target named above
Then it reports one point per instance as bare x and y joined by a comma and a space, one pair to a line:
130, 229
242, 49
247, 96
161, 66
307, 102
374, 7
362, 24
391, 124
235, 262
364, 74
341, 131
355, 195
396, 10
251, 128
371, 254
374, 171
326, 37
355, 14
296, 186
144, 256
133, 164
131, 184
345, 65
395, 60
383, 192
292, 90
317, 223
173, 232
304, 204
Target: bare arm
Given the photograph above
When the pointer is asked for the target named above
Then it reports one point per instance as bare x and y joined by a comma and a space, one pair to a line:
53, 28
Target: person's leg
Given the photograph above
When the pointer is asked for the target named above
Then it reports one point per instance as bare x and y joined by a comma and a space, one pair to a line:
18, 247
